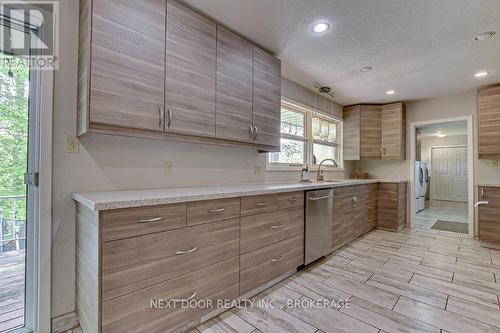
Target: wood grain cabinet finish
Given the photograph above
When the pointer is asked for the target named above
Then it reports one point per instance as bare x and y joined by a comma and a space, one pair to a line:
234, 87
392, 206
191, 64
160, 70
128, 69
375, 132
265, 264
489, 122
199, 212
133, 312
266, 98
394, 131
136, 263
131, 222
362, 132
489, 215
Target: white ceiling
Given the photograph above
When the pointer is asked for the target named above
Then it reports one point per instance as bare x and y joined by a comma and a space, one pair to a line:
450, 129
420, 48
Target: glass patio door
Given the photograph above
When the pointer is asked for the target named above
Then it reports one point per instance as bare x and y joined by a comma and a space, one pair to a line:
16, 217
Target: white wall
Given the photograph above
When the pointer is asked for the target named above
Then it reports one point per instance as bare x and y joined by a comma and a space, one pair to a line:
117, 163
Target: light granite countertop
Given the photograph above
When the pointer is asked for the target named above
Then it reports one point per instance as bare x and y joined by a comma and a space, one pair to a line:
139, 198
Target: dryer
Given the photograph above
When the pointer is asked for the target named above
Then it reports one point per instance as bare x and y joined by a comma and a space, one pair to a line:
419, 183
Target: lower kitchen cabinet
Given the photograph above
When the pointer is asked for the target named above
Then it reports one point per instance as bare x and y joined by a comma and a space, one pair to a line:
489, 221
354, 213
392, 206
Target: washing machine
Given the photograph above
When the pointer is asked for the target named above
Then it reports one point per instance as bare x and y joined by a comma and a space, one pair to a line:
419, 182
424, 187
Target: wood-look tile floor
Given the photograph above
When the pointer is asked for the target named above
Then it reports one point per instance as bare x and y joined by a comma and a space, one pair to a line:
441, 210
413, 281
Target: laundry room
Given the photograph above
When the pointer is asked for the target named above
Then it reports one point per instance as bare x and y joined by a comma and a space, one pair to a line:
441, 176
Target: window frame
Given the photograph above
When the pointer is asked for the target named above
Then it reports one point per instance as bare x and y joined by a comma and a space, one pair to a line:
308, 139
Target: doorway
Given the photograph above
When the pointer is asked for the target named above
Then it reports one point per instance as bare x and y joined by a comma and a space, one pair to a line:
442, 186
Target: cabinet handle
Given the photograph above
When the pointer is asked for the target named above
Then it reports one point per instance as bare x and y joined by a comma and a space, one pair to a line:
479, 203
250, 132
277, 226
187, 252
292, 199
483, 193
261, 204
277, 259
169, 118
215, 211
154, 219
186, 299
255, 130
160, 116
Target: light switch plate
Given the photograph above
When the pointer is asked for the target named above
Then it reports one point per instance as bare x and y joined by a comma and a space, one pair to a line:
167, 168
72, 144
258, 170
494, 164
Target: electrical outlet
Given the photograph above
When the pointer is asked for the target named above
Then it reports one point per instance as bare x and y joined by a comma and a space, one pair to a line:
494, 164
167, 168
258, 170
72, 144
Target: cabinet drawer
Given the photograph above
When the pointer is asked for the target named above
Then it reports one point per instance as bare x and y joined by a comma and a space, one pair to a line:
489, 222
261, 266
288, 200
136, 263
258, 204
212, 210
130, 222
264, 229
133, 312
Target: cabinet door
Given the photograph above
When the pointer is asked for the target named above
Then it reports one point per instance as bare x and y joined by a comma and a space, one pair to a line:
234, 86
489, 122
191, 63
128, 63
266, 98
351, 133
393, 132
489, 222
370, 132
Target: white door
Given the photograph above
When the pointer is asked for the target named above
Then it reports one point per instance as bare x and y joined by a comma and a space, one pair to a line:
449, 174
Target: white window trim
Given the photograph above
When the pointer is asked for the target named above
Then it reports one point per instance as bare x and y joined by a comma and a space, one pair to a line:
309, 112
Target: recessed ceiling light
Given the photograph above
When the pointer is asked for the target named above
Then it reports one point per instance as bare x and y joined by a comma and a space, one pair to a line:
366, 69
485, 35
481, 74
320, 27
390, 92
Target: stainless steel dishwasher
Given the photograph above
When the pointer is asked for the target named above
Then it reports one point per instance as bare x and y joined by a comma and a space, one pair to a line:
319, 214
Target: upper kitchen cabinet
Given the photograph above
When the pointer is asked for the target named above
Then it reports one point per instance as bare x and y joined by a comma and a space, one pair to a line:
375, 132
266, 99
191, 66
122, 64
234, 87
158, 69
394, 131
362, 132
489, 122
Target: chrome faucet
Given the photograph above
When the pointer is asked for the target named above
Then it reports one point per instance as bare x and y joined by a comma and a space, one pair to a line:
320, 176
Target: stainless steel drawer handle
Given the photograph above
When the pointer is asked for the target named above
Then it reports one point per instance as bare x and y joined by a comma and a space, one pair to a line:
277, 226
293, 199
215, 211
277, 259
186, 299
186, 252
169, 120
261, 204
479, 203
154, 219
321, 198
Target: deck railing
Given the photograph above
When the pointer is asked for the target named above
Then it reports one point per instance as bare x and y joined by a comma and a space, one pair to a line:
12, 223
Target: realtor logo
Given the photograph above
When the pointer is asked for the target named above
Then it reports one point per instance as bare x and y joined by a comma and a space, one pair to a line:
30, 29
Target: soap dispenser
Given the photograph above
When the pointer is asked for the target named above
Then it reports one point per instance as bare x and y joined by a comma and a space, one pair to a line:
305, 175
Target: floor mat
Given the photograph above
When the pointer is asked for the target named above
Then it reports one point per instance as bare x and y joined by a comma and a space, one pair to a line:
462, 228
